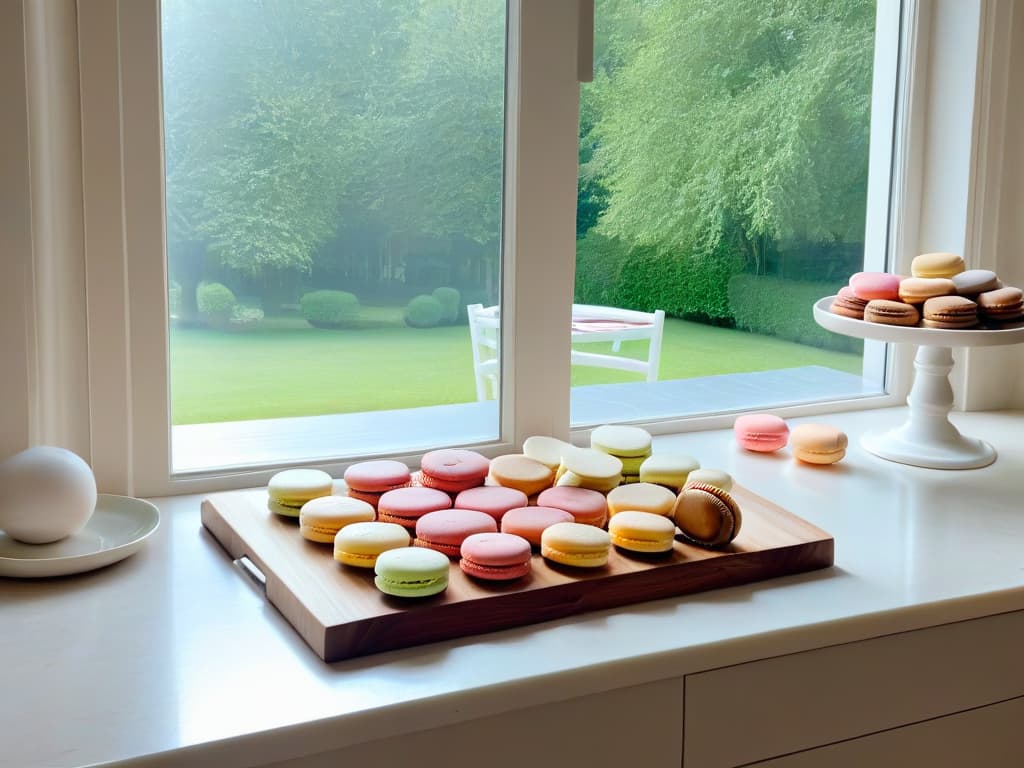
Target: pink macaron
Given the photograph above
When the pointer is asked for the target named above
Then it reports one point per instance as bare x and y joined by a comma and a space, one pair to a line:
495, 556
876, 285
530, 522
445, 530
453, 469
762, 432
407, 505
493, 500
377, 476
585, 505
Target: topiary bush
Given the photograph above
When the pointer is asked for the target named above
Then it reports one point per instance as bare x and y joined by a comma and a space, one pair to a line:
450, 299
423, 312
245, 317
216, 303
330, 309
782, 308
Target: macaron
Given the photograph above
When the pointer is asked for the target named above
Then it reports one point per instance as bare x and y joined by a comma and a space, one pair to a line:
453, 469
937, 265
494, 500
621, 440
359, 544
915, 290
668, 469
818, 443
1003, 305
848, 304
378, 476
875, 285
761, 432
891, 313
321, 518
971, 282
291, 488
516, 470
707, 516
495, 556
640, 497
642, 532
575, 544
530, 522
585, 505
411, 572
407, 505
715, 477
589, 468
446, 529
951, 312
546, 450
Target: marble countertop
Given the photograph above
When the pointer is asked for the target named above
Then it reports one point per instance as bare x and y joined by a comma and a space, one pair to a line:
175, 649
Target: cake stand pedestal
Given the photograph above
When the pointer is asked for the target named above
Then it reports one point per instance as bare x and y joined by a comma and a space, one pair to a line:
927, 438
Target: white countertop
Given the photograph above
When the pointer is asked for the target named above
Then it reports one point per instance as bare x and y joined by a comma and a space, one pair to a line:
175, 649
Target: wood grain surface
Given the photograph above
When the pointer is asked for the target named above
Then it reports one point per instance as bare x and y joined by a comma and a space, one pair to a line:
341, 614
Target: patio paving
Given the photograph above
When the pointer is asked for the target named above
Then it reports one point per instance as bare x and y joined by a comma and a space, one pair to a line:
199, 447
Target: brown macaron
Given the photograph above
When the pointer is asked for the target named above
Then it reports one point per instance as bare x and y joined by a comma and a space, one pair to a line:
1003, 305
707, 515
916, 290
848, 304
950, 312
888, 312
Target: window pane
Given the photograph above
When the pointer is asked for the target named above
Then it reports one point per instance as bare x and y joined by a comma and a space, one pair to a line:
333, 185
723, 180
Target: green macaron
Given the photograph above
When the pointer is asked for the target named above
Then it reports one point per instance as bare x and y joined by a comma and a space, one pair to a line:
411, 572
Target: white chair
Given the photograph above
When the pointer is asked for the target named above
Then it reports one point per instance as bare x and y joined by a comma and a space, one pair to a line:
589, 324
484, 335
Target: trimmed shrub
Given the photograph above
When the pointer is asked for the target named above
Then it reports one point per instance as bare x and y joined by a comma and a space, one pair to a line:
599, 260
782, 308
423, 312
243, 317
330, 309
215, 302
449, 299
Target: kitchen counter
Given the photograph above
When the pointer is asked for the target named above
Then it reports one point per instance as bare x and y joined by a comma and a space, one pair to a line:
173, 657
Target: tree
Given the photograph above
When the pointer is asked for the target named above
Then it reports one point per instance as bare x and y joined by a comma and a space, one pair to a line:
740, 122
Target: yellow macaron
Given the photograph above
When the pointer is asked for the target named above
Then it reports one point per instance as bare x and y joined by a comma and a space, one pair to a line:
641, 497
359, 544
516, 470
642, 532
291, 488
575, 544
937, 265
668, 469
321, 518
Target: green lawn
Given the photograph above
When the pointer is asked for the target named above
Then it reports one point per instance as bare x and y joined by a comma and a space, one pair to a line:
286, 368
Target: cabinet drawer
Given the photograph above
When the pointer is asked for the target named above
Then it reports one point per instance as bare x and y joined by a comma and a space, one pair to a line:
773, 707
987, 736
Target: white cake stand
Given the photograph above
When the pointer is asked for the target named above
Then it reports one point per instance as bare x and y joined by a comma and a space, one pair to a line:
927, 438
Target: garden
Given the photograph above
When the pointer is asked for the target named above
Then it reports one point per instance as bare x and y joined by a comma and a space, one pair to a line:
334, 183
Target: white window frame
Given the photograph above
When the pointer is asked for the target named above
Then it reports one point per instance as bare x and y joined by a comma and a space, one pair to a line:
105, 395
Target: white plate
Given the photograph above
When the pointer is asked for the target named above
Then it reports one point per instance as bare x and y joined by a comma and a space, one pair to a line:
117, 529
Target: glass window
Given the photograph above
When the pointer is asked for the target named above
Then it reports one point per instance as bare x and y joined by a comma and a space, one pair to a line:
724, 155
333, 206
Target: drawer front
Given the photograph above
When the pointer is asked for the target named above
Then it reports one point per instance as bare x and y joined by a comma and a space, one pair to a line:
764, 709
987, 736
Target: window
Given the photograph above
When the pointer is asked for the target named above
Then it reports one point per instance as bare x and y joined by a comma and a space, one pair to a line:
333, 205
126, 371
724, 163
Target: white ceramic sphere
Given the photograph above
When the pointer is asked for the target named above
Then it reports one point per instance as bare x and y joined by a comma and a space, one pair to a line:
46, 494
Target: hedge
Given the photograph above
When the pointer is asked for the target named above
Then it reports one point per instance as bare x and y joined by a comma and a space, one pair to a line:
423, 312
782, 308
450, 299
330, 309
215, 303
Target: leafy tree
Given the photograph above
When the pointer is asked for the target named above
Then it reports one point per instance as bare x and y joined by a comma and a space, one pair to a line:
740, 122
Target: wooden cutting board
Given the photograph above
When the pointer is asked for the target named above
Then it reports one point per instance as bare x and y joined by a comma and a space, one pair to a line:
341, 614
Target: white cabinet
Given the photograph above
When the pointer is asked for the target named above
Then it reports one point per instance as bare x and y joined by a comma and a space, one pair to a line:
763, 709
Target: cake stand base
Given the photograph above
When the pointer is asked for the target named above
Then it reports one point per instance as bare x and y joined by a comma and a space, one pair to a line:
928, 439
901, 446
